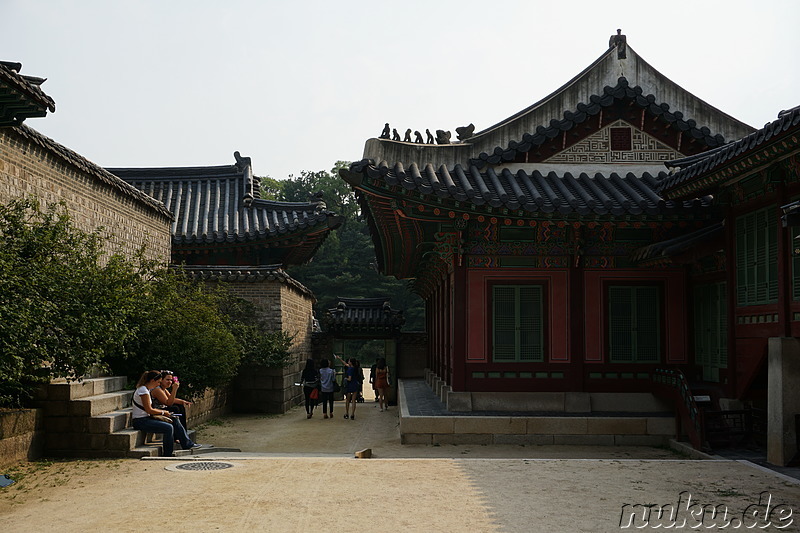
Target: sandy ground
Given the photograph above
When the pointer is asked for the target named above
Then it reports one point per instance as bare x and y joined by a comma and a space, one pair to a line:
300, 475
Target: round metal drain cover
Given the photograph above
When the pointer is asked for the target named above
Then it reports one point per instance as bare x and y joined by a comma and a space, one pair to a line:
204, 465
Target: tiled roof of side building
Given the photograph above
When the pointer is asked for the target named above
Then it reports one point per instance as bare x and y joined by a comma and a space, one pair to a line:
535, 193
701, 164
594, 106
247, 274
218, 204
84, 165
364, 313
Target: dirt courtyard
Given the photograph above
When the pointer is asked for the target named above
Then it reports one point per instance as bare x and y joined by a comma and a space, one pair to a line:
296, 474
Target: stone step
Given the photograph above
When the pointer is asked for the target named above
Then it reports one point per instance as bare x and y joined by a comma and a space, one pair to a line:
145, 451
110, 422
101, 403
125, 439
63, 391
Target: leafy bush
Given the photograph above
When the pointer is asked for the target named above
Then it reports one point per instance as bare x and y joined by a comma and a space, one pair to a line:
66, 310
260, 346
61, 311
179, 327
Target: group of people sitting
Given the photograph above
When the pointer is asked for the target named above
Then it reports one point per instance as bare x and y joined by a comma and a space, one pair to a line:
157, 409
320, 384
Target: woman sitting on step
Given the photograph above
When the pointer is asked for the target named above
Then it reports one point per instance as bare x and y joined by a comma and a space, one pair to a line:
165, 396
143, 409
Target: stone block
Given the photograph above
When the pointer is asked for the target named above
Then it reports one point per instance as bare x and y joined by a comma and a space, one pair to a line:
462, 438
459, 402
490, 425
584, 440
109, 384
19, 422
59, 424
61, 408
444, 390
110, 422
426, 424
524, 440
23, 447
616, 426
100, 404
640, 440
416, 438
518, 401
121, 440
70, 391
553, 425
634, 402
577, 402
661, 425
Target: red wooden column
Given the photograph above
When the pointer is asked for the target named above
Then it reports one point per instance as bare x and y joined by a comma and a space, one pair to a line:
784, 268
730, 281
458, 327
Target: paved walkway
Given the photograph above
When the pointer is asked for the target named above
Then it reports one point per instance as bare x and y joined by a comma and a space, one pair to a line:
298, 475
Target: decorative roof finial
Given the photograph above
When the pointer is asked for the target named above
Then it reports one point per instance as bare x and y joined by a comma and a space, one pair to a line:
619, 41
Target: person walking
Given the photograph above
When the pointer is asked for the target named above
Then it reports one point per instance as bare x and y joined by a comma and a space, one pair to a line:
382, 383
310, 380
352, 388
327, 378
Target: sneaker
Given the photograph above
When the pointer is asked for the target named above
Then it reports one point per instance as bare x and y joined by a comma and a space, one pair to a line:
325, 415
346, 417
353, 417
308, 415
196, 446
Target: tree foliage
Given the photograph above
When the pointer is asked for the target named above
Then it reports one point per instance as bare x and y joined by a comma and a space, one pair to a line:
344, 266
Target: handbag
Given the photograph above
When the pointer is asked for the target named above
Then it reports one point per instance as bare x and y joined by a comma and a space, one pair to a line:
160, 418
314, 394
336, 386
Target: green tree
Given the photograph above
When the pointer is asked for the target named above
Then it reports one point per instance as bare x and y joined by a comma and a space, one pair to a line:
344, 266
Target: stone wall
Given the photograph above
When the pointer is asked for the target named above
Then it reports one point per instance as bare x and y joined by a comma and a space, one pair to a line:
28, 168
21, 435
284, 306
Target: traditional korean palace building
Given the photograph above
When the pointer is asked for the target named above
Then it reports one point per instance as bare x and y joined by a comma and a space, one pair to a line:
579, 246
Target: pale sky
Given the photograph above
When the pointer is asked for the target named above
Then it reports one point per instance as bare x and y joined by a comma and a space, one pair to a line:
298, 85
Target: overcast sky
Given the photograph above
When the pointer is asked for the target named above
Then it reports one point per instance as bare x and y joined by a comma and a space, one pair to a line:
298, 85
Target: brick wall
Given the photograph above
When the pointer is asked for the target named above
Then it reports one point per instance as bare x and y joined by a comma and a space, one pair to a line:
29, 169
284, 306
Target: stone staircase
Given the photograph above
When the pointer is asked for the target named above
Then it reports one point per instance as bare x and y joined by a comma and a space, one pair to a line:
92, 419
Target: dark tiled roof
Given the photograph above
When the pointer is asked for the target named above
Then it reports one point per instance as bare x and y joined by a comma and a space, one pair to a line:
244, 275
364, 313
20, 96
222, 204
661, 251
694, 167
622, 91
84, 165
534, 193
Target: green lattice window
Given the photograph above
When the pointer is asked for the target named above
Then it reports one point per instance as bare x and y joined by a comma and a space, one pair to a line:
757, 258
794, 246
517, 323
711, 329
634, 324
